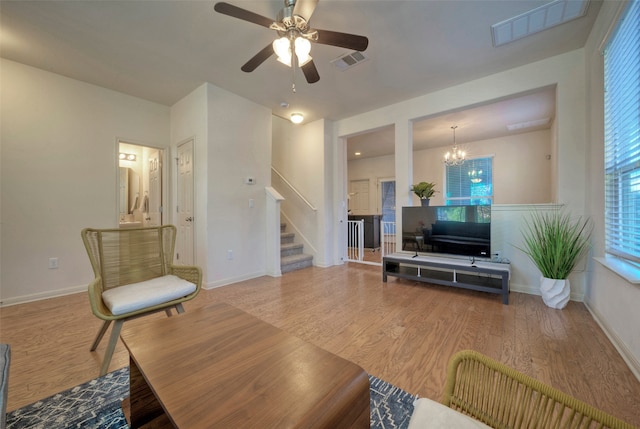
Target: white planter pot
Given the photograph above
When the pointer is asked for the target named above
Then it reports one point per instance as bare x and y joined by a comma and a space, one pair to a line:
555, 293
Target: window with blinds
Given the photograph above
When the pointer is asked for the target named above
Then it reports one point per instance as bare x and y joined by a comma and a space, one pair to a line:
622, 137
470, 182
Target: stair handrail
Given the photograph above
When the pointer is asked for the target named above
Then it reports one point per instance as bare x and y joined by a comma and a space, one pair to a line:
293, 188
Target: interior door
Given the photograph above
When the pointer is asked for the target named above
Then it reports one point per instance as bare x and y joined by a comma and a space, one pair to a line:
152, 202
359, 196
185, 241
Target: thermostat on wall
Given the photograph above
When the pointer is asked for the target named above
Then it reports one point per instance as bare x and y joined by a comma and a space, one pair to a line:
250, 180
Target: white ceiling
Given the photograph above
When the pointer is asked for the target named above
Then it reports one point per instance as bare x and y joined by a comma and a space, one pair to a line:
162, 50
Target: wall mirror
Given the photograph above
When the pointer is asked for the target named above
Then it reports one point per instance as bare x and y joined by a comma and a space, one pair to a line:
129, 191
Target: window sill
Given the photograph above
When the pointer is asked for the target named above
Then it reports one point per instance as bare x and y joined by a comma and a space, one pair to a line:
624, 269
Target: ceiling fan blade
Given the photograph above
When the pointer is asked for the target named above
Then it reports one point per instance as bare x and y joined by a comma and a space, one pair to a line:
243, 14
258, 59
343, 40
305, 8
310, 72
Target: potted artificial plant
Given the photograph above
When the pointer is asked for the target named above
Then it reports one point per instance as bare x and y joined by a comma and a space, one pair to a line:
424, 191
555, 242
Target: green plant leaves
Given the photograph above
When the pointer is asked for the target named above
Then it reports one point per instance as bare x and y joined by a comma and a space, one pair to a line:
555, 242
424, 189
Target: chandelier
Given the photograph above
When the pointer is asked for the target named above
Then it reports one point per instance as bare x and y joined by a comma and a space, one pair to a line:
456, 156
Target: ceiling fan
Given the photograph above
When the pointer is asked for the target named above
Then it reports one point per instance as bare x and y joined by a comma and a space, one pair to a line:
293, 45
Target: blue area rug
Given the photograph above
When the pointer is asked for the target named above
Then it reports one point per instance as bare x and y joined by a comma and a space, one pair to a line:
96, 405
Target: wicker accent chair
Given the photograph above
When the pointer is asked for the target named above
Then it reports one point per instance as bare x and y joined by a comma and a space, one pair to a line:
134, 277
502, 397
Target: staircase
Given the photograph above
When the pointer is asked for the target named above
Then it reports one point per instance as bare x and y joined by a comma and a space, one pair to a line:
291, 256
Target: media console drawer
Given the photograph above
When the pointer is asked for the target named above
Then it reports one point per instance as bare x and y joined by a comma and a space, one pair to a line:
491, 277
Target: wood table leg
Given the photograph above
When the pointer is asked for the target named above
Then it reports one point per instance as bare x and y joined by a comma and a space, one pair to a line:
144, 408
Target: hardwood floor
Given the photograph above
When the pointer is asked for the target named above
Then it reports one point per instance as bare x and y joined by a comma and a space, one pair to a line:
403, 332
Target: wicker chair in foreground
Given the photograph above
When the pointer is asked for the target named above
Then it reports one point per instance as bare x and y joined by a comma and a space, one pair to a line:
135, 276
502, 397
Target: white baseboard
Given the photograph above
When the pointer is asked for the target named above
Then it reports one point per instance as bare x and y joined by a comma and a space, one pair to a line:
42, 295
231, 280
529, 290
535, 290
627, 356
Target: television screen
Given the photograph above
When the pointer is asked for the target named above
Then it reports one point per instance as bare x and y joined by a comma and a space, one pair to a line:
448, 230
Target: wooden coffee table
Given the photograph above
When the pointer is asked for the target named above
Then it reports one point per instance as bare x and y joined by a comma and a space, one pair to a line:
219, 367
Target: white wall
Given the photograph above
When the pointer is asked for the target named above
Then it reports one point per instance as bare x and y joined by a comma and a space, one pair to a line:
239, 146
567, 71
302, 155
372, 169
59, 167
189, 121
228, 149
611, 299
522, 173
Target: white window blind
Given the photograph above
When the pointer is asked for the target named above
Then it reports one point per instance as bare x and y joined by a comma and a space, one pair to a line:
470, 182
622, 137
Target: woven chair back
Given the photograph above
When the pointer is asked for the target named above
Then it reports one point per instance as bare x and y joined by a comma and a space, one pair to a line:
125, 256
502, 397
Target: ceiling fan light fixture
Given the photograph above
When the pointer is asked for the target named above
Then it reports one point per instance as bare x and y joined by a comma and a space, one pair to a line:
303, 48
282, 48
297, 118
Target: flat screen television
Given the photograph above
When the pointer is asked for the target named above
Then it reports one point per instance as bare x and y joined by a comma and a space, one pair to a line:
448, 230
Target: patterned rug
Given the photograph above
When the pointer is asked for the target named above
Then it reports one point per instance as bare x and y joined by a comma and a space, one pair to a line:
96, 405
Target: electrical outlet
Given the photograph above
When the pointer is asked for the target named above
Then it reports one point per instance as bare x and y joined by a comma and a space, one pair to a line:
229, 254
53, 263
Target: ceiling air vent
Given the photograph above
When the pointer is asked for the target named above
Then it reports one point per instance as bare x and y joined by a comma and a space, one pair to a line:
349, 60
546, 16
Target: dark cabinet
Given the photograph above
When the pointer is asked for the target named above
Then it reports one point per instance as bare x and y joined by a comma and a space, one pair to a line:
371, 229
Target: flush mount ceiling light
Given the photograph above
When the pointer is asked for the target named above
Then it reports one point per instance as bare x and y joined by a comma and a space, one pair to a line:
126, 156
541, 18
297, 118
456, 156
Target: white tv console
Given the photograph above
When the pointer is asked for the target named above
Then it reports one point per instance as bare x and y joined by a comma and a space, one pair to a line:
484, 276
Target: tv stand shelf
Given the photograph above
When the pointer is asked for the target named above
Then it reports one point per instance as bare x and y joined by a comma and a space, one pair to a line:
492, 277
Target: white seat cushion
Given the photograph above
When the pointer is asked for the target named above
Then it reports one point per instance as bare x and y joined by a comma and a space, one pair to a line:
428, 414
136, 296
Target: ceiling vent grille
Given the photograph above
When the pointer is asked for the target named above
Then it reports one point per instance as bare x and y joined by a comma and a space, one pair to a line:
349, 60
541, 18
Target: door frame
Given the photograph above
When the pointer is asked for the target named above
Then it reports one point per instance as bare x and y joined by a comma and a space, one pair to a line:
174, 202
165, 175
